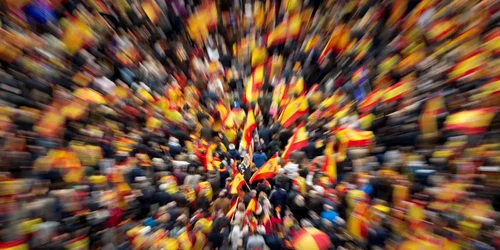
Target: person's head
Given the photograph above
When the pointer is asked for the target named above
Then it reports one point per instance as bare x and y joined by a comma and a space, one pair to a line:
258, 149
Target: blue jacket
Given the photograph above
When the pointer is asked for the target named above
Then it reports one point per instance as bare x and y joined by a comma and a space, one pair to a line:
259, 159
278, 197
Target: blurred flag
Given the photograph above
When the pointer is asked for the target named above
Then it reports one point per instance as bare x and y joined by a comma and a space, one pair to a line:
50, 124
492, 42
288, 29
89, 95
412, 18
398, 10
440, 29
295, 109
271, 14
210, 158
254, 84
470, 67
76, 35
352, 138
362, 47
74, 110
371, 100
15, 245
258, 15
259, 56
81, 242
300, 183
471, 122
330, 165
398, 90
250, 126
298, 140
237, 183
266, 171
234, 207
252, 206
332, 43
433, 107
152, 10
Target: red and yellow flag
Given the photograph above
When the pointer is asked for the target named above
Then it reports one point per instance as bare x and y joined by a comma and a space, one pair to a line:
254, 84
332, 43
295, 109
352, 138
371, 100
252, 206
298, 140
237, 183
234, 207
398, 90
209, 158
471, 121
330, 165
432, 108
288, 29
397, 11
471, 66
250, 126
441, 29
266, 171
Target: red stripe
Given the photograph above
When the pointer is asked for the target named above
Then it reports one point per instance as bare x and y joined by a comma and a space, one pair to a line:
394, 98
4, 245
468, 72
295, 146
293, 118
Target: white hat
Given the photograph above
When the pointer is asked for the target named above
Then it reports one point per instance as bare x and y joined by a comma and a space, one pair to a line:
231, 146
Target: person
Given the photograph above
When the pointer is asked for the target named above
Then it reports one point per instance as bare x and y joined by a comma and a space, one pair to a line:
255, 241
274, 146
259, 157
222, 203
278, 197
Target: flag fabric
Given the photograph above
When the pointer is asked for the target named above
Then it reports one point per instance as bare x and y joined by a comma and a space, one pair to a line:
470, 67
298, 140
300, 183
440, 29
81, 242
288, 29
371, 100
333, 41
15, 245
398, 91
250, 126
349, 137
432, 108
254, 84
470, 121
252, 206
266, 183
50, 124
266, 171
237, 183
362, 47
209, 158
397, 12
311, 238
271, 15
234, 207
234, 167
295, 109
330, 165
492, 42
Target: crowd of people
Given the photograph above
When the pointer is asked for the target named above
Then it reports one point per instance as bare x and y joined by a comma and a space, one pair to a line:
276, 124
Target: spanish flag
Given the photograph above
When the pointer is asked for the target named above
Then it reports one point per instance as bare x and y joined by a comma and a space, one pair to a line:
332, 43
330, 165
371, 100
50, 124
271, 14
440, 30
470, 66
471, 121
433, 107
295, 109
234, 207
259, 56
300, 183
412, 18
209, 157
362, 48
288, 29
81, 242
238, 115
359, 76
398, 90
492, 42
14, 245
266, 171
398, 10
74, 110
152, 10
298, 140
237, 183
254, 84
250, 126
352, 138
259, 16
252, 206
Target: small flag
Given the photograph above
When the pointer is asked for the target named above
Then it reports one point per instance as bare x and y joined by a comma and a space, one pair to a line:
298, 140
266, 171
237, 183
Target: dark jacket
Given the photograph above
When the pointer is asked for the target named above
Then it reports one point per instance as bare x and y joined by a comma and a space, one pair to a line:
278, 197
